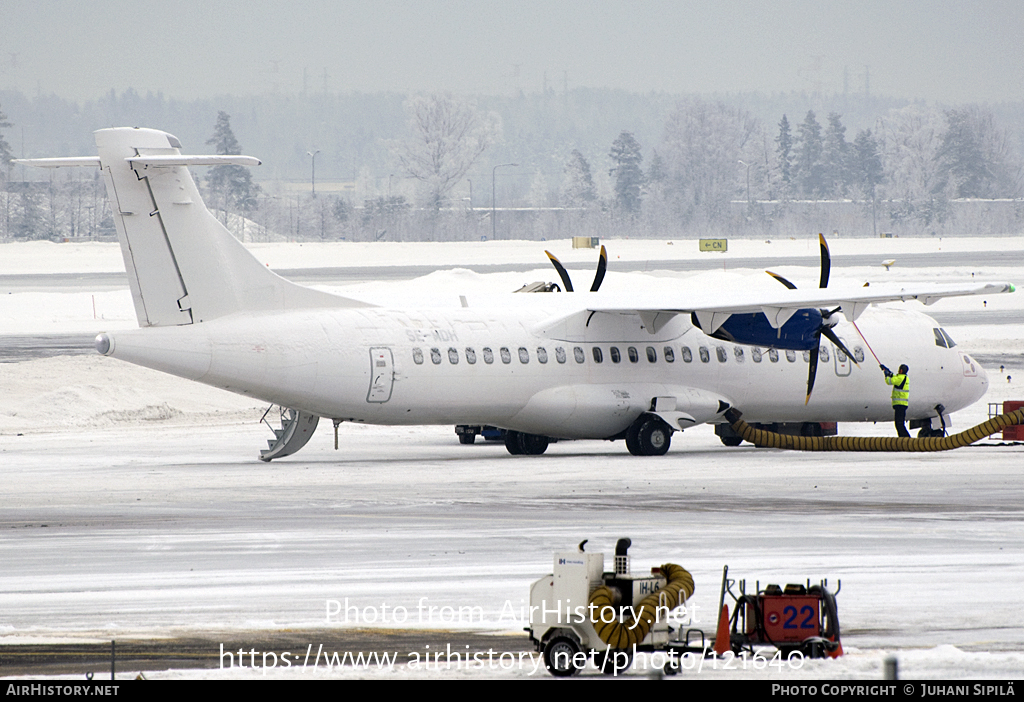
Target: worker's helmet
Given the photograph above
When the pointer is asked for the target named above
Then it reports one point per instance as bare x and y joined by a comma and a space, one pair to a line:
904, 368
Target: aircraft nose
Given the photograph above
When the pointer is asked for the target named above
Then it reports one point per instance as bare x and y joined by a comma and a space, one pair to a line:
975, 383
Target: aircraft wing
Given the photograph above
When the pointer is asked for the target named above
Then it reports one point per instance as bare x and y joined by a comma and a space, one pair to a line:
713, 308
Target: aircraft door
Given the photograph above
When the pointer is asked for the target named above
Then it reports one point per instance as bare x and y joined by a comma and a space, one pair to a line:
382, 375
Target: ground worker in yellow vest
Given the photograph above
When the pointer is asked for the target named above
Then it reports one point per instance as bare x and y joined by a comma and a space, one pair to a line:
900, 396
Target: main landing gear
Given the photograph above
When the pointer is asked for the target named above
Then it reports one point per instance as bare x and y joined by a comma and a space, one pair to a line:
519, 443
649, 435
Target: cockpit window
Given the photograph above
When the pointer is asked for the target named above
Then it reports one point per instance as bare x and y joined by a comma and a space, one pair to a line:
939, 339
949, 340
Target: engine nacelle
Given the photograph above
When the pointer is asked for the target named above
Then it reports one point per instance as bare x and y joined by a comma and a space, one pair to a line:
799, 333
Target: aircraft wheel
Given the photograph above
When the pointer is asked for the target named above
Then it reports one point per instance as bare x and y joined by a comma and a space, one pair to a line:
532, 444
654, 437
512, 443
467, 438
731, 440
633, 439
560, 657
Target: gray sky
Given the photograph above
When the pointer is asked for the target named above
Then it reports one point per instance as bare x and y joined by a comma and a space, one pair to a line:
945, 50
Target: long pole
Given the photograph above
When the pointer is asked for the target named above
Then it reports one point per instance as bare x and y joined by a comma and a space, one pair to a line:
866, 342
312, 174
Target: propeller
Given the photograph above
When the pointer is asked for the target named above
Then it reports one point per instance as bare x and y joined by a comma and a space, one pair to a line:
827, 319
602, 267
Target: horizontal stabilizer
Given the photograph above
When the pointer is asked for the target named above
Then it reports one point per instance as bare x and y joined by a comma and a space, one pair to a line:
58, 162
172, 160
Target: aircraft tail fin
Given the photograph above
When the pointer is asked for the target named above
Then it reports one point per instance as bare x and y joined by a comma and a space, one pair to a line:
183, 265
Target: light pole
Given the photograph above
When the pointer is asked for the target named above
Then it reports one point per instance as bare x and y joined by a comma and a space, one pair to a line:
744, 163
494, 209
312, 174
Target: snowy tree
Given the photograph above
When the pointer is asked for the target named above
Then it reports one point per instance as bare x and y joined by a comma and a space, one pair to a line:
629, 176
974, 156
232, 186
835, 158
704, 143
447, 136
577, 182
5, 148
909, 139
866, 165
539, 194
810, 171
5, 168
785, 153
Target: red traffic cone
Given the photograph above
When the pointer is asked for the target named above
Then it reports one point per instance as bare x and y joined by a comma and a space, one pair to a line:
722, 643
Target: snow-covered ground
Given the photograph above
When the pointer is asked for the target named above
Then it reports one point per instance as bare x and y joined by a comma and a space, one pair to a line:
133, 504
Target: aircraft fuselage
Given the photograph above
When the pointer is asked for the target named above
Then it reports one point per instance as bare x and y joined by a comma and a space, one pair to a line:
474, 366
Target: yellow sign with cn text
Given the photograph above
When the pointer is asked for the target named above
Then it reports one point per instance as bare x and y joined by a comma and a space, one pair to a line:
714, 244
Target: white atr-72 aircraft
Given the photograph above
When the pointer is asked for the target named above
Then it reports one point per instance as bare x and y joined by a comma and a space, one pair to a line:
592, 365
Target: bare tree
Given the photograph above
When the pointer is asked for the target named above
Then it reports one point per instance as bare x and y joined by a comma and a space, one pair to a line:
447, 136
704, 143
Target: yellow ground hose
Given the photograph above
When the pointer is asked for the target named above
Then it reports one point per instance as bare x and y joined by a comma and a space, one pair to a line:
622, 632
769, 439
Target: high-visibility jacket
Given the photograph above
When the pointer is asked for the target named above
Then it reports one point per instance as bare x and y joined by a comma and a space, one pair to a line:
900, 389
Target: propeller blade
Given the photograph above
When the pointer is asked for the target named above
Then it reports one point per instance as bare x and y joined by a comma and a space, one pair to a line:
812, 369
562, 273
831, 336
826, 262
781, 280
602, 266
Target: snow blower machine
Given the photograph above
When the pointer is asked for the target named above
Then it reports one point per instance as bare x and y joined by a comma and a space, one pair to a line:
581, 614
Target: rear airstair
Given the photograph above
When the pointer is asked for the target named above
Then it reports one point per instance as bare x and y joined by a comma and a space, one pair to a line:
296, 429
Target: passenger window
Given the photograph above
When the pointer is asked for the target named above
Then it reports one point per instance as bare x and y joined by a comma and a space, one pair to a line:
949, 339
807, 356
823, 353
453, 356
470, 355
634, 356
614, 352
705, 355
506, 355
755, 353
939, 340
488, 355
652, 355
524, 355
773, 355
670, 355
577, 353
858, 354
598, 356
435, 356
687, 354
840, 355
560, 354
791, 355
737, 351
542, 354
417, 356
720, 352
